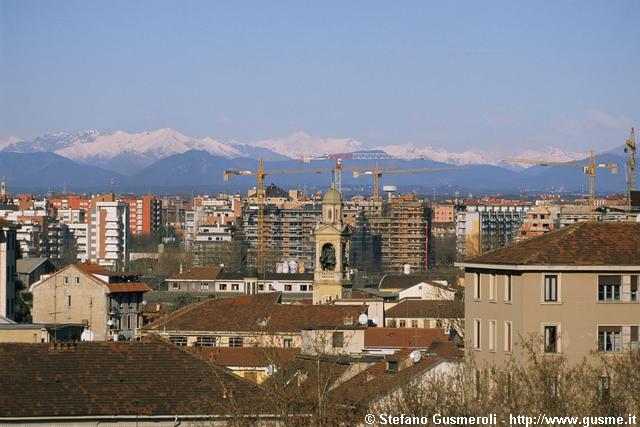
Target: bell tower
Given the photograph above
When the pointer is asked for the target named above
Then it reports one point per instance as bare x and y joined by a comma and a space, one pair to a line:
331, 279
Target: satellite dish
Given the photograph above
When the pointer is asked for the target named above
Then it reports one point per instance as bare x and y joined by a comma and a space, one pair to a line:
415, 356
363, 319
110, 322
262, 321
144, 302
87, 335
271, 369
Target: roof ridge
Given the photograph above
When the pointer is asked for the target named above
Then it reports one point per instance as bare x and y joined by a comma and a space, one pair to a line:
179, 311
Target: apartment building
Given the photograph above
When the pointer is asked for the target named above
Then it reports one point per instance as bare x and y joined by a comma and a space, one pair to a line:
484, 226
575, 290
144, 214
403, 227
288, 231
8, 252
108, 303
107, 234
38, 234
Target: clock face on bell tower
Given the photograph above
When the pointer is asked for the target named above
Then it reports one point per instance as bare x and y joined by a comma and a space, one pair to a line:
331, 278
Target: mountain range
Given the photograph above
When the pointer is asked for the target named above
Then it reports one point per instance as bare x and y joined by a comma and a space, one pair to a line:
166, 160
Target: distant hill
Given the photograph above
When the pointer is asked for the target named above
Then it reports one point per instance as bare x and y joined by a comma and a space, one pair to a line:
39, 172
200, 171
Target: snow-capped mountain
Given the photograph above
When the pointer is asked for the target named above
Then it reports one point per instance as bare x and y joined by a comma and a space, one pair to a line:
301, 144
410, 151
49, 142
550, 153
129, 152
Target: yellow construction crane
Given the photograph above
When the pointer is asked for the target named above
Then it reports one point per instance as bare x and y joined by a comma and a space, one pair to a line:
260, 194
377, 173
630, 147
589, 169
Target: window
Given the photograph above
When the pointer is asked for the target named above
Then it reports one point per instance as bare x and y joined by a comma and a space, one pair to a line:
403, 323
176, 286
476, 286
392, 366
508, 334
551, 339
129, 321
492, 335
179, 341
476, 334
609, 338
633, 343
66, 280
222, 287
204, 286
287, 288
303, 288
68, 300
551, 288
287, 343
235, 287
260, 288
77, 280
634, 288
337, 339
507, 288
492, 287
609, 288
236, 341
206, 341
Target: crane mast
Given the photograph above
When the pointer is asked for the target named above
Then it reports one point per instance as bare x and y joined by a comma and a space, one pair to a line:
630, 147
260, 174
588, 169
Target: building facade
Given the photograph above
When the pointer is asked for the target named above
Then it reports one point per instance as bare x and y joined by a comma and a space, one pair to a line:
572, 291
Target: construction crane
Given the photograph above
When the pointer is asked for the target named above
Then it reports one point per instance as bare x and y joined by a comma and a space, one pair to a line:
260, 174
377, 173
589, 169
630, 147
338, 157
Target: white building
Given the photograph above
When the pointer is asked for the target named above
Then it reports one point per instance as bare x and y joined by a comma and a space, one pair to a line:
8, 248
108, 234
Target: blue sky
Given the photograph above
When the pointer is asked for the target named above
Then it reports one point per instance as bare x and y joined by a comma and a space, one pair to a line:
498, 76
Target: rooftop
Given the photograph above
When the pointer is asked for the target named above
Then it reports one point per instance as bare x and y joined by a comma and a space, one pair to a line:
403, 337
197, 273
144, 378
433, 309
582, 244
255, 313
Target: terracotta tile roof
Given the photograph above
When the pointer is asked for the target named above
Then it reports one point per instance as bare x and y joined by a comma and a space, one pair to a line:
246, 313
431, 309
128, 287
585, 243
98, 269
149, 377
402, 337
198, 273
246, 356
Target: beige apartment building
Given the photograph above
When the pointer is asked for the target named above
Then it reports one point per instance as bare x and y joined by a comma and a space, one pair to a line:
575, 290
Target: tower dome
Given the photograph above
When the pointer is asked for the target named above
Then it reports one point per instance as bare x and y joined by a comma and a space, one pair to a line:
332, 197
